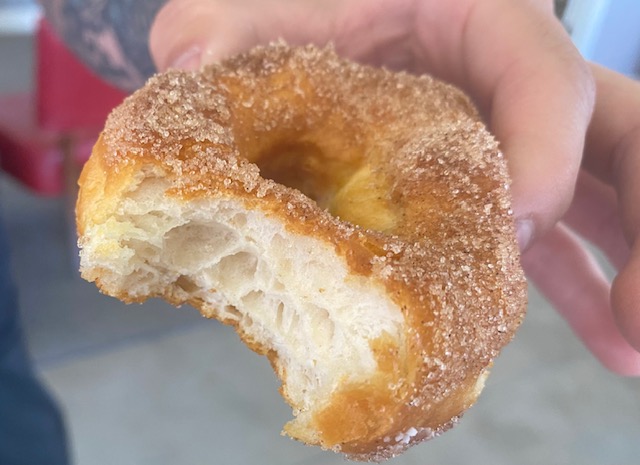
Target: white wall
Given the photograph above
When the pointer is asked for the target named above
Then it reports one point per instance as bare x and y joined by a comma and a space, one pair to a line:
607, 32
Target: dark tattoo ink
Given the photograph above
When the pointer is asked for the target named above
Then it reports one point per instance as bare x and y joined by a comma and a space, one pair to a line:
110, 36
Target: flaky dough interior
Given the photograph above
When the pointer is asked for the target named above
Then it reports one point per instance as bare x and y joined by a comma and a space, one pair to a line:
286, 293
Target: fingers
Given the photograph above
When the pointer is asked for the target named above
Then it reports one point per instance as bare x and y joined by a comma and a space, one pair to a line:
625, 298
535, 91
581, 297
528, 77
594, 216
184, 30
613, 142
188, 33
626, 288
613, 154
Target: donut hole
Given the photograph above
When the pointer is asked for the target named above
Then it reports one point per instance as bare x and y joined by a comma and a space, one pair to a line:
306, 167
343, 185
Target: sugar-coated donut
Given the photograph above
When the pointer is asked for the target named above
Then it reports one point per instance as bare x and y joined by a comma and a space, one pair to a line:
352, 224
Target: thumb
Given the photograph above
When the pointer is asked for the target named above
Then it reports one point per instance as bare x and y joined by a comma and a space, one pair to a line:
189, 33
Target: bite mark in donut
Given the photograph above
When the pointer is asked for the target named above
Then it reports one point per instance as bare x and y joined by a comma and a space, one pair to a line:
352, 224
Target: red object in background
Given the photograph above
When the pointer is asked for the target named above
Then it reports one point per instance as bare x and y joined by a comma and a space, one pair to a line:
56, 124
69, 96
29, 154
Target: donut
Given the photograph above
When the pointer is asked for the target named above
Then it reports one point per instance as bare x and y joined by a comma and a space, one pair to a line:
353, 224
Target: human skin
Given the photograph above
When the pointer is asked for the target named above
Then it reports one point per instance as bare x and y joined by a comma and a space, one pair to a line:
533, 88
537, 95
604, 212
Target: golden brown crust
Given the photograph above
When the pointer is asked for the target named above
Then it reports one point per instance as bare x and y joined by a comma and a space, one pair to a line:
438, 230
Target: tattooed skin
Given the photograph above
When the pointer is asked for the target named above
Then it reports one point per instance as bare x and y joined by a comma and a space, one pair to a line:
110, 36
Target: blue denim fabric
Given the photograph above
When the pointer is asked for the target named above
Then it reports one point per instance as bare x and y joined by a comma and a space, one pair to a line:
31, 427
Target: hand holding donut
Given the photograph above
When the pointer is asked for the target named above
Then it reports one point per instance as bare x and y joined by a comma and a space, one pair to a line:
537, 95
604, 212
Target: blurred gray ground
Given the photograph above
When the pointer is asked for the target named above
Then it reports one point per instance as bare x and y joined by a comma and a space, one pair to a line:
149, 384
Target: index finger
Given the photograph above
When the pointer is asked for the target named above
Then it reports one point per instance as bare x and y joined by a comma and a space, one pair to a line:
537, 93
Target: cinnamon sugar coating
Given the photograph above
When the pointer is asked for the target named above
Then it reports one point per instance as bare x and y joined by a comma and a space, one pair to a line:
396, 172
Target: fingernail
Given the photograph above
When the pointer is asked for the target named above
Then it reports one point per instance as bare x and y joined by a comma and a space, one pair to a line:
524, 233
189, 60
